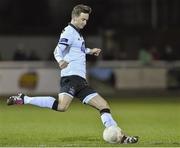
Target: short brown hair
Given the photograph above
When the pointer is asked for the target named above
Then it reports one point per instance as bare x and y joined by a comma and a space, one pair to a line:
78, 9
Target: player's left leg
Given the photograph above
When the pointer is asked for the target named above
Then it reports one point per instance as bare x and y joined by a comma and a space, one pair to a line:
89, 96
101, 104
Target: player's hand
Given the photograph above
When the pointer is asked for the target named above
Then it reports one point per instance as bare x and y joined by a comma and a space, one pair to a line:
63, 64
95, 51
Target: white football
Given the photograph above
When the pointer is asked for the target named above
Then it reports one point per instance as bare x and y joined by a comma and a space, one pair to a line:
112, 134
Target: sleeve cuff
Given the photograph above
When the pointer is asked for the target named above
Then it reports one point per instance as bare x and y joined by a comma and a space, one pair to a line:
58, 59
88, 50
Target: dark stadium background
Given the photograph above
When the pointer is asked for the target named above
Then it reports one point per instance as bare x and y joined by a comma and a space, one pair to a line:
136, 23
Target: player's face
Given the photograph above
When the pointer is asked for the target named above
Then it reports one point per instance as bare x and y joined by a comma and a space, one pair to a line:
81, 20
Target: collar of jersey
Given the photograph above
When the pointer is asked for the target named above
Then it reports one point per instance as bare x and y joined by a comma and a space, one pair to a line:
78, 30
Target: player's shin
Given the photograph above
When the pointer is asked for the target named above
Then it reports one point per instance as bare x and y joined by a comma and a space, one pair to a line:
107, 118
42, 101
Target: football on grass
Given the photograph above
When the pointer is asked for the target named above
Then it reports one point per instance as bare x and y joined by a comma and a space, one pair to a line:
112, 134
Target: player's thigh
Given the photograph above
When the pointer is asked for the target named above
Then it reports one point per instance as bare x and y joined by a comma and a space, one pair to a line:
89, 96
98, 102
64, 101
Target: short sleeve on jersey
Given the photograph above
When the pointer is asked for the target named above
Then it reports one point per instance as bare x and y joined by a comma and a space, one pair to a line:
66, 37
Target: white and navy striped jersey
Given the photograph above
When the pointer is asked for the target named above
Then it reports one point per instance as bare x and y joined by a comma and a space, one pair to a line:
71, 48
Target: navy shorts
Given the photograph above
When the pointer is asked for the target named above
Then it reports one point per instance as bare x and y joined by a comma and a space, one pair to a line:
76, 86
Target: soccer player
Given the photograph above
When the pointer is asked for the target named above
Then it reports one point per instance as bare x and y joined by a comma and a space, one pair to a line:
70, 53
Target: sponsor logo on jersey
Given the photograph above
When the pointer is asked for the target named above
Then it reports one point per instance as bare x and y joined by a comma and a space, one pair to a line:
64, 40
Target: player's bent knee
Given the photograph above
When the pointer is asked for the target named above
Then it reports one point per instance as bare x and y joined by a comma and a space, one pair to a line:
64, 102
62, 108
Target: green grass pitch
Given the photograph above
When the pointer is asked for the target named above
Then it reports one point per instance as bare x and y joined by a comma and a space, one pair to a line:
155, 120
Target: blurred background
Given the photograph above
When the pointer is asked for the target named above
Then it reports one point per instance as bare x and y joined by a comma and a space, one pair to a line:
139, 41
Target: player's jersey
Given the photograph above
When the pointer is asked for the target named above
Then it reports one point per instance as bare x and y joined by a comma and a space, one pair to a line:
71, 48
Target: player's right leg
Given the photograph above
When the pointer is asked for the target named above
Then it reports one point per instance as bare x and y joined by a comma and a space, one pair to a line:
19, 99
62, 104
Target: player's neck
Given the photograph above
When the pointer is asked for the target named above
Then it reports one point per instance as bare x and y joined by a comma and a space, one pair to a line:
74, 24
